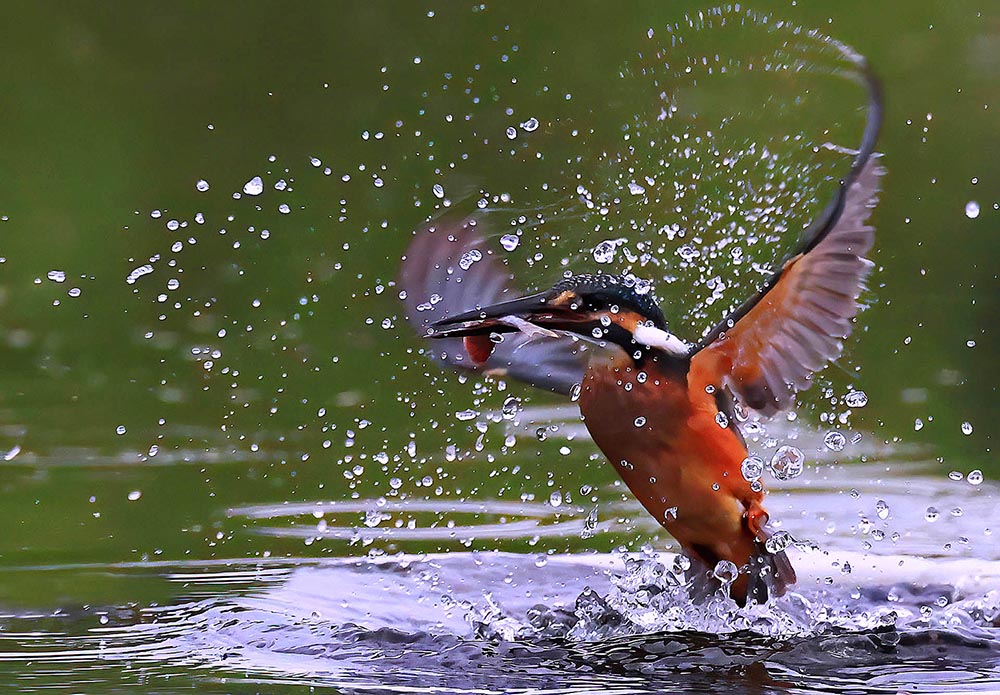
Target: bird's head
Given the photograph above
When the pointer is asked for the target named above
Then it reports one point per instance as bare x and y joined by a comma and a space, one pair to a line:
609, 310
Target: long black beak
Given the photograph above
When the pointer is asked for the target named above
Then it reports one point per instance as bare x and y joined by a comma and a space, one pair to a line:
498, 318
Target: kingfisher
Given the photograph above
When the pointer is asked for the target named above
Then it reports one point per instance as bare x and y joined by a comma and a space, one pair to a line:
662, 409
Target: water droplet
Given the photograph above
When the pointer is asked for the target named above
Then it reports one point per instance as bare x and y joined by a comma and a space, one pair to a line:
640, 421
670, 513
882, 509
120, 430
966, 428
604, 252
722, 420
787, 463
12, 452
975, 477
574, 393
635, 189
56, 276
511, 132
284, 209
438, 190
254, 186
509, 241
688, 252
373, 517
725, 571
134, 495
972, 209
530, 125
835, 441
510, 408
955, 475
202, 185
556, 499
856, 399
470, 257
465, 415
932, 514
541, 434
778, 542
752, 468
395, 483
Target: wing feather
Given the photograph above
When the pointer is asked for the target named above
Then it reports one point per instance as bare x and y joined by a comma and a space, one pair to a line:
799, 324
449, 268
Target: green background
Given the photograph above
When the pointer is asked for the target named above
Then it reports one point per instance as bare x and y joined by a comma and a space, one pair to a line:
109, 112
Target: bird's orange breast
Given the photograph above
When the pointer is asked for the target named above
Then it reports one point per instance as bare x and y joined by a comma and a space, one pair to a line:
675, 457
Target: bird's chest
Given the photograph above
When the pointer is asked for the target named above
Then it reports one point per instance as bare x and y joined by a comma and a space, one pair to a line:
633, 415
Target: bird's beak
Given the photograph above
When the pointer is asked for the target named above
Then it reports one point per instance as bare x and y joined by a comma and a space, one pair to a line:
533, 315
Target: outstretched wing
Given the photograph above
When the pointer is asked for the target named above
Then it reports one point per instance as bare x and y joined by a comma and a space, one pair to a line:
769, 348
449, 269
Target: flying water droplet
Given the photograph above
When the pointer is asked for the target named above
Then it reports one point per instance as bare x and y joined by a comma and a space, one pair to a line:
470, 257
509, 241
787, 463
510, 408
752, 468
726, 572
254, 186
438, 190
201, 185
975, 477
465, 415
604, 252
574, 393
530, 125
835, 441
972, 209
778, 542
932, 514
882, 509
640, 421
966, 428
635, 189
856, 399
556, 499
56, 276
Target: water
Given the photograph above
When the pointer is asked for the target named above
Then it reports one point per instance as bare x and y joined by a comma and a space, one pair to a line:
226, 467
886, 600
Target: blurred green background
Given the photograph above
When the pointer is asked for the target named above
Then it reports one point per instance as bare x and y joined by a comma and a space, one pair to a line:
265, 356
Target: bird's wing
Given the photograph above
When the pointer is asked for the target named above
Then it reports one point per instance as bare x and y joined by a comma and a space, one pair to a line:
449, 269
769, 348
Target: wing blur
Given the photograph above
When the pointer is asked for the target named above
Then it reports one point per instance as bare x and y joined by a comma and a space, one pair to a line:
449, 269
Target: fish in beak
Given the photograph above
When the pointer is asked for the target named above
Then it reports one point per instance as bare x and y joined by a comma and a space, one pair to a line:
536, 316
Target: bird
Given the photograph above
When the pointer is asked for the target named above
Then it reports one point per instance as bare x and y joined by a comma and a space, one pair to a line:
661, 409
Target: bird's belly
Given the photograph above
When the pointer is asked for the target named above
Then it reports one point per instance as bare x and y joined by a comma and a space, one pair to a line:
677, 461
